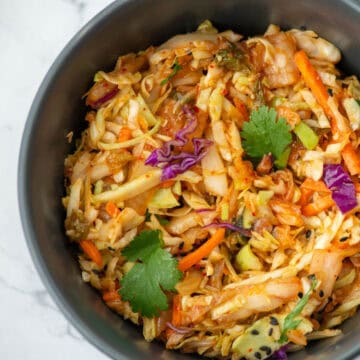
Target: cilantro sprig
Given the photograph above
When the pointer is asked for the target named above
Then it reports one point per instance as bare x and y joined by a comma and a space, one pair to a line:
155, 271
289, 322
176, 67
263, 134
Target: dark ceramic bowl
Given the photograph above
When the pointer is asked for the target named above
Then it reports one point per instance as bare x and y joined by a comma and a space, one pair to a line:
130, 26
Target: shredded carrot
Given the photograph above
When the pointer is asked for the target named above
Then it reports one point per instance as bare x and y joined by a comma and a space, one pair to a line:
318, 206
176, 311
111, 296
291, 117
125, 134
204, 250
167, 183
92, 252
297, 337
313, 81
112, 209
357, 187
308, 187
351, 159
242, 109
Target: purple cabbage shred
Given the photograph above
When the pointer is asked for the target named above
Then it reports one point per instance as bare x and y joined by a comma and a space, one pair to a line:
173, 163
231, 227
281, 353
341, 186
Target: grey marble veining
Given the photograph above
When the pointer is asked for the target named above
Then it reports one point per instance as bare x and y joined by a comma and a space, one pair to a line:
32, 33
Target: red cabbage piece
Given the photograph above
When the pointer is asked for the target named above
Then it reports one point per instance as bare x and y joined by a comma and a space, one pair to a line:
177, 163
231, 227
341, 186
281, 353
105, 98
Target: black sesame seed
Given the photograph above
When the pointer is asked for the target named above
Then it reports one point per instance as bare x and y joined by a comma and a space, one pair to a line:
273, 321
258, 355
344, 238
330, 92
255, 332
300, 294
181, 245
330, 299
271, 331
266, 349
321, 293
308, 234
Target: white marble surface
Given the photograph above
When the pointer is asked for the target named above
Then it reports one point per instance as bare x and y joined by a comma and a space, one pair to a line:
32, 33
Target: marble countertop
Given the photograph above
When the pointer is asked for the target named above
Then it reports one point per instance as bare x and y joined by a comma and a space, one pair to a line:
32, 33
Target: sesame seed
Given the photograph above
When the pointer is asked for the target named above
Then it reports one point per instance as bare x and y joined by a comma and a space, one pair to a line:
255, 332
273, 320
271, 331
308, 234
258, 355
321, 293
330, 92
344, 238
266, 349
300, 294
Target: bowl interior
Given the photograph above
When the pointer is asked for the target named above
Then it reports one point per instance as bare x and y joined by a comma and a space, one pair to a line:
57, 109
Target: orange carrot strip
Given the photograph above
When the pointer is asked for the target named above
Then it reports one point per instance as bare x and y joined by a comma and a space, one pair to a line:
92, 252
111, 296
316, 207
112, 209
167, 183
308, 187
176, 311
297, 337
315, 185
242, 109
357, 187
351, 159
313, 81
204, 250
124, 134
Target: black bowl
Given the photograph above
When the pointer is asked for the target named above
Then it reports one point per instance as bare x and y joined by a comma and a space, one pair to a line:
130, 26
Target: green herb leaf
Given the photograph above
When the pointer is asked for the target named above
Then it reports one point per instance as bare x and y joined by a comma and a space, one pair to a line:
176, 67
358, 101
230, 58
163, 221
263, 134
289, 322
143, 286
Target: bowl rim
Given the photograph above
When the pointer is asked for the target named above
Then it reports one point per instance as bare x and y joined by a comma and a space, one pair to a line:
23, 198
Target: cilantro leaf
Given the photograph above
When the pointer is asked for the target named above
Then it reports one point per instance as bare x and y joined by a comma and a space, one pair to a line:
263, 134
176, 67
143, 286
290, 323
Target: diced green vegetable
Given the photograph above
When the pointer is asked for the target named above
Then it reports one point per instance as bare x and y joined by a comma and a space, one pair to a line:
277, 101
177, 188
247, 219
282, 160
98, 187
247, 260
224, 212
230, 58
306, 135
262, 338
264, 196
207, 27
162, 220
163, 199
